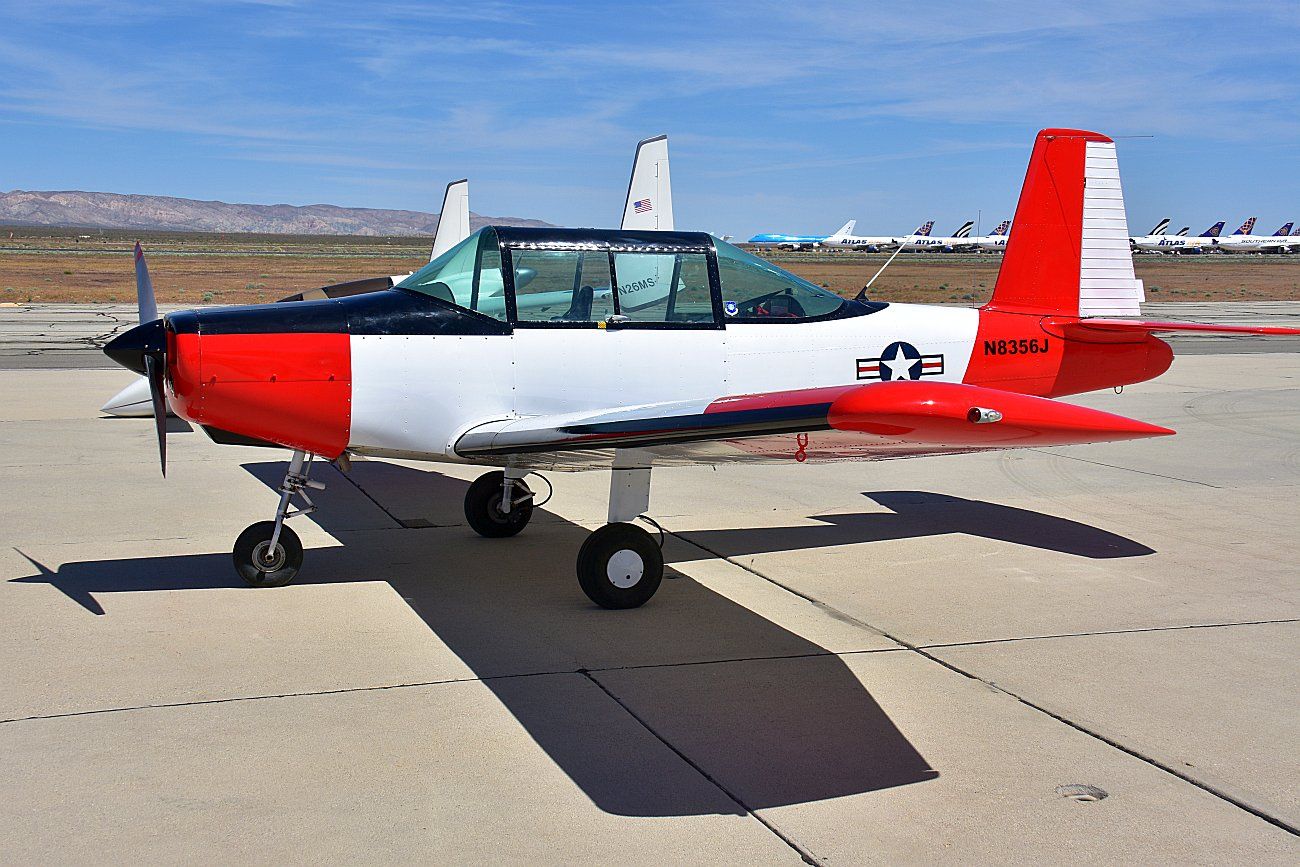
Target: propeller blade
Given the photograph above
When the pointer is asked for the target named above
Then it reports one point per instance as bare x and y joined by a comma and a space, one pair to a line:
155, 368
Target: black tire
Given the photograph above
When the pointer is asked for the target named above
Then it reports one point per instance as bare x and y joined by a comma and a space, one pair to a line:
482, 502
250, 555
606, 555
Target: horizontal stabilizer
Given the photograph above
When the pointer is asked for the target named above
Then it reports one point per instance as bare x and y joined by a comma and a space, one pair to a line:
957, 415
1079, 328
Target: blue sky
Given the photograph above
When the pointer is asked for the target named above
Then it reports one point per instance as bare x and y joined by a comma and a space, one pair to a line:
782, 116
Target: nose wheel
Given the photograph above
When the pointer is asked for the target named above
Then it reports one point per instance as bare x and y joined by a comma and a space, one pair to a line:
266, 562
268, 553
620, 566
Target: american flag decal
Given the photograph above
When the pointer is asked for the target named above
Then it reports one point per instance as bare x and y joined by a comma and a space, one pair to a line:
640, 206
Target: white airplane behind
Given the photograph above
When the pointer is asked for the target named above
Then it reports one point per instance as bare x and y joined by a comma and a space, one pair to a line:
1242, 241
995, 240
959, 239
1180, 243
874, 243
1152, 238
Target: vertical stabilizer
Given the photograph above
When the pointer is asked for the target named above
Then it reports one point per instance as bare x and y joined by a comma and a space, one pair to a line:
845, 230
1182, 233
1069, 253
964, 231
649, 203
1283, 231
1161, 227
1002, 228
923, 230
1213, 231
453, 220
1246, 227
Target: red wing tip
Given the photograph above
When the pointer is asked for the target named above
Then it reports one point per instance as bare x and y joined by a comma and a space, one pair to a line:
1061, 132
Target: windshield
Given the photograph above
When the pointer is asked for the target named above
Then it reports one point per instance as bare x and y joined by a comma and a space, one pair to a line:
468, 275
755, 290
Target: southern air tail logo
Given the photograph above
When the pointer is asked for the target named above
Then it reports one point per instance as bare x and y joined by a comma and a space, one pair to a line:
900, 361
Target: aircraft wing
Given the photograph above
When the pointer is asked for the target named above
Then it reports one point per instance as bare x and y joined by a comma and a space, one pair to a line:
877, 420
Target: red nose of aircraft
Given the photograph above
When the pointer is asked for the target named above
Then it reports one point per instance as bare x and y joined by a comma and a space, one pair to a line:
278, 373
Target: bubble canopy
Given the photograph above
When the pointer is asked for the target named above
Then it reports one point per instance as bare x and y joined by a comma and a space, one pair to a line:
589, 276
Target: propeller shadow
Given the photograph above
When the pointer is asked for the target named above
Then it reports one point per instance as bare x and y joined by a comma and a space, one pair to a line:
756, 694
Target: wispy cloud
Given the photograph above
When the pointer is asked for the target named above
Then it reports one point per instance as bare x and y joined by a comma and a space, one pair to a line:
775, 109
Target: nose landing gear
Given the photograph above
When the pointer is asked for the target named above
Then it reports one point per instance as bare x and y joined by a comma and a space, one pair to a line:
269, 554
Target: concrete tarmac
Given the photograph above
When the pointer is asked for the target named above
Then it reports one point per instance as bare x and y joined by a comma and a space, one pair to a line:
1083, 652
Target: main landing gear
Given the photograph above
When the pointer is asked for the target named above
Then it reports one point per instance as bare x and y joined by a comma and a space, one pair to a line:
620, 565
269, 554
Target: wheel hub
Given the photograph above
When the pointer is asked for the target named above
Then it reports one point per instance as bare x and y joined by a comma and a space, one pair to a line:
266, 559
625, 569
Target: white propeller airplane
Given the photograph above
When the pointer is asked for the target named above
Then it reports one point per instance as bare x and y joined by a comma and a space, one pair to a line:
725, 358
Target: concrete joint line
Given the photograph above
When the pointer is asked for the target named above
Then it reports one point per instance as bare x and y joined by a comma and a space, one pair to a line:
781, 835
1114, 744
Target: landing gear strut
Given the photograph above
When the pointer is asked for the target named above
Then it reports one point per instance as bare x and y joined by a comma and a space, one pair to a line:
620, 565
269, 554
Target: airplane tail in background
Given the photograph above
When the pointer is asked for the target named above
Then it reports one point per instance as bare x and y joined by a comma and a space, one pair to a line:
1161, 227
1213, 231
1070, 253
1246, 227
964, 231
845, 230
1002, 228
924, 229
453, 219
649, 203
1182, 233
1284, 231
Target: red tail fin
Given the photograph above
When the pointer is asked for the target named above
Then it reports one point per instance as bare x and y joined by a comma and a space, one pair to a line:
1068, 252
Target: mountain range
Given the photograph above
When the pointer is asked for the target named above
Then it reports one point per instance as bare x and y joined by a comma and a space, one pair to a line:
121, 211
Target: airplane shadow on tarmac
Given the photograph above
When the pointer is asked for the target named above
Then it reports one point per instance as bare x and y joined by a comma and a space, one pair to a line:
774, 717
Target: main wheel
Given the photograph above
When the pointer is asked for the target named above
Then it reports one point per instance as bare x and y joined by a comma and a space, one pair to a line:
620, 566
483, 508
260, 565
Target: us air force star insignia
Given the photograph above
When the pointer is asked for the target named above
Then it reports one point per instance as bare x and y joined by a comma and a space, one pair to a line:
900, 361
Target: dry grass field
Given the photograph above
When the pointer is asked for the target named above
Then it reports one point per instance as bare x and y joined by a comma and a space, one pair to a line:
45, 265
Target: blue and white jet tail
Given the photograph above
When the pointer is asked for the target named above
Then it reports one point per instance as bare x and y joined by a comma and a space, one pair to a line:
1213, 231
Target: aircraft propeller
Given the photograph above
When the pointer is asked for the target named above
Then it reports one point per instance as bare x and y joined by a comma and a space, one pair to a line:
144, 350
